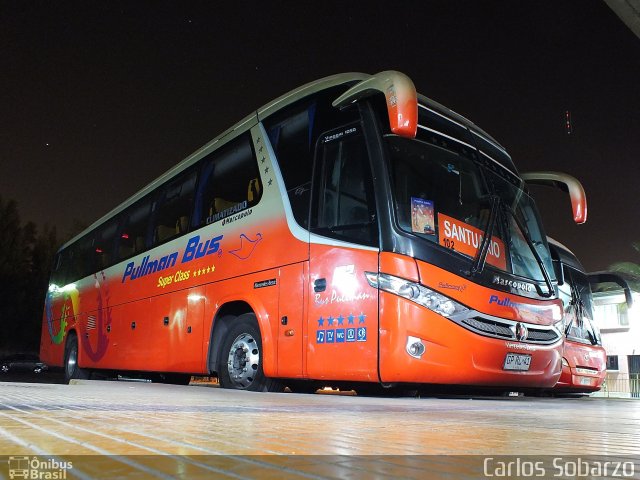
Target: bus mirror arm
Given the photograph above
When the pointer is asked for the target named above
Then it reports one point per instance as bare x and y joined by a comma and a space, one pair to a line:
557, 268
567, 184
401, 99
597, 278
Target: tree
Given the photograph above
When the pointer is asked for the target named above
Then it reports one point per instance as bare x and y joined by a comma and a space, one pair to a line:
25, 262
629, 270
628, 267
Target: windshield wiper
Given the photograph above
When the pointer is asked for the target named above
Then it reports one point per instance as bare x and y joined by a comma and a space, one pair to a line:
532, 247
481, 256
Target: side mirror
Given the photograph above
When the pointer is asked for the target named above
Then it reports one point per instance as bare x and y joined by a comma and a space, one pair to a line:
597, 278
566, 183
401, 98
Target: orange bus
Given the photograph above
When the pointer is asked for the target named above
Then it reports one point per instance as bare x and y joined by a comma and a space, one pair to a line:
584, 360
349, 231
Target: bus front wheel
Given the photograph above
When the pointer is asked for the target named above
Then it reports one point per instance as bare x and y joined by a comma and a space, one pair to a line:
71, 368
241, 358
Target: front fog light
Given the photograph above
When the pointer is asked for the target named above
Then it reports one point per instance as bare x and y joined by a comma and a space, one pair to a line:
415, 347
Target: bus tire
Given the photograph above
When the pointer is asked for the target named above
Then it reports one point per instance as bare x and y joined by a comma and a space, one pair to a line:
241, 358
71, 368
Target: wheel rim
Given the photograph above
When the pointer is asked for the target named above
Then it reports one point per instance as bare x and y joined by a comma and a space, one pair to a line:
243, 361
72, 361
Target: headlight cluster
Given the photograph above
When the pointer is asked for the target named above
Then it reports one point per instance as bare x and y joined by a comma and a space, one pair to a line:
415, 292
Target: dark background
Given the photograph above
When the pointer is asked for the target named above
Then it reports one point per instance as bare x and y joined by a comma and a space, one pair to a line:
99, 98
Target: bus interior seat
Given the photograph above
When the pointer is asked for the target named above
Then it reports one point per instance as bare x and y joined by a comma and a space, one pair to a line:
253, 193
182, 224
220, 204
103, 260
125, 251
139, 244
163, 232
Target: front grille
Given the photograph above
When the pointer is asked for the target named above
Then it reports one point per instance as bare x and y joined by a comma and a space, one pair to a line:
542, 336
489, 326
505, 329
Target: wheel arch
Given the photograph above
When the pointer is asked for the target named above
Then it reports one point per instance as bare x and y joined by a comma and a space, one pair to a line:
221, 324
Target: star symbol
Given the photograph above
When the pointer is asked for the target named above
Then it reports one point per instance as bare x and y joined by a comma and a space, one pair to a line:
340, 320
351, 319
270, 182
208, 269
321, 322
213, 268
330, 321
361, 318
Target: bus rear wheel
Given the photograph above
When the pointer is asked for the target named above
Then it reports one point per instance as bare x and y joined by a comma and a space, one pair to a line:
241, 358
71, 368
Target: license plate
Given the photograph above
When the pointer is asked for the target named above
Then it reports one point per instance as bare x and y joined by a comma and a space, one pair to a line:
585, 381
516, 361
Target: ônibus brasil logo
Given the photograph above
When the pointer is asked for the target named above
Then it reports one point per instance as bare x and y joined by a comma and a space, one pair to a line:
38, 469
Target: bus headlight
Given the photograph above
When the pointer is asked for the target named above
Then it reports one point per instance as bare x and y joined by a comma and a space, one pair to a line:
415, 292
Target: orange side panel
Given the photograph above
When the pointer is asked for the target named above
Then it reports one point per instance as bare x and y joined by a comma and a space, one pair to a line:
399, 265
261, 295
182, 281
291, 328
343, 314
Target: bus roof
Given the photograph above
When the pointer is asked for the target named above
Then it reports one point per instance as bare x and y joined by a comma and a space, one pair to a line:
260, 114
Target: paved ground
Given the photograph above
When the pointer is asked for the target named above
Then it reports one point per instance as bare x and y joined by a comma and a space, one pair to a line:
128, 428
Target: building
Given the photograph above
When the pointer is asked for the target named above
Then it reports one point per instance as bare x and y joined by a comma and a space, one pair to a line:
619, 325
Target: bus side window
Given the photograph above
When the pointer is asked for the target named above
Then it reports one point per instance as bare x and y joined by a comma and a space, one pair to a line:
82, 259
173, 207
229, 182
133, 229
293, 133
344, 205
104, 245
58, 270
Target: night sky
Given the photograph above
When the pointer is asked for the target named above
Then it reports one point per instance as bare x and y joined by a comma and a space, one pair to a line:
99, 98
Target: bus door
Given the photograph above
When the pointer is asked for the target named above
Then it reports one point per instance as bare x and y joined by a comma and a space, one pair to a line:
291, 332
342, 316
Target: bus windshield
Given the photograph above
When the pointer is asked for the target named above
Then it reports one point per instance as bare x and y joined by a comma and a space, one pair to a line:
580, 325
445, 197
